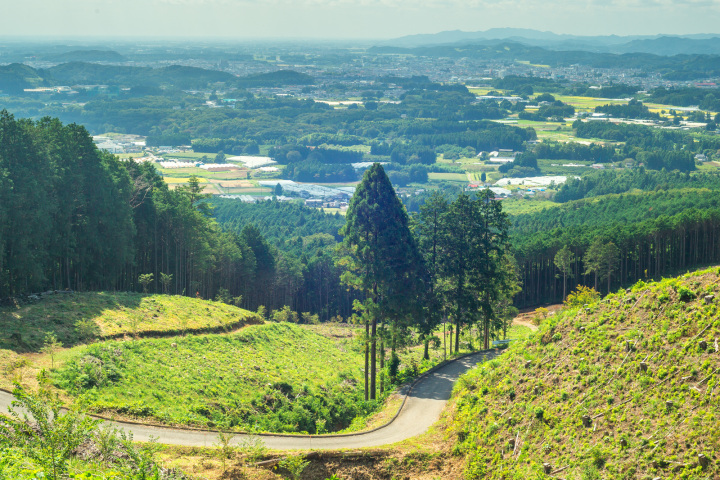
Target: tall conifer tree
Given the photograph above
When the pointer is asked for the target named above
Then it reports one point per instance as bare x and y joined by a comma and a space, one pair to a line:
382, 255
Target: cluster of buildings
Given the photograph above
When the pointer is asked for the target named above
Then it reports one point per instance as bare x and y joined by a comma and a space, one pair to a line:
120, 143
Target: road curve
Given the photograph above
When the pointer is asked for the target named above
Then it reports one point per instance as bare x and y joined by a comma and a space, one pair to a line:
422, 408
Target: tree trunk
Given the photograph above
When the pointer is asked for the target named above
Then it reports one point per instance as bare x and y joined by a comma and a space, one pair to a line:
608, 290
486, 343
373, 358
444, 338
457, 335
367, 358
382, 364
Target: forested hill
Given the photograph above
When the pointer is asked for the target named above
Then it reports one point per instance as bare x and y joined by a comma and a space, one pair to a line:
615, 240
608, 181
15, 77
291, 227
295, 254
617, 209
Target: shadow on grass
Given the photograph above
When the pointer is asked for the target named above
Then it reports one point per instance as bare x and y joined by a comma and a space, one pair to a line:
71, 317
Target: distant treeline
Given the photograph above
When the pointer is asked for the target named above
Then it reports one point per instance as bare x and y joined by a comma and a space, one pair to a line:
632, 109
16, 77
704, 98
575, 151
600, 183
677, 67
654, 234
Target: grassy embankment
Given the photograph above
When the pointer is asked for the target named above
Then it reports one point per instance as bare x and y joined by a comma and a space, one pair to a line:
273, 377
81, 318
623, 388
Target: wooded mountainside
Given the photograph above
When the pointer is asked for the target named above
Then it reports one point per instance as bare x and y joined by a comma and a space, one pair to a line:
73, 217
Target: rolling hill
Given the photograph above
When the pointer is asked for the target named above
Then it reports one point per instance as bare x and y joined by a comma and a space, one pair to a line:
625, 387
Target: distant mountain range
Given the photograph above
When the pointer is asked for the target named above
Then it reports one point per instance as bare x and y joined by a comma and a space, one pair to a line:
666, 45
85, 56
684, 67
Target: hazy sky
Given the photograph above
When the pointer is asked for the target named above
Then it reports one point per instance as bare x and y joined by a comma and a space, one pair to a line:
351, 18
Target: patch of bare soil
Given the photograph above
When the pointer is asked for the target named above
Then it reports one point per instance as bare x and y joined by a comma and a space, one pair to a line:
526, 317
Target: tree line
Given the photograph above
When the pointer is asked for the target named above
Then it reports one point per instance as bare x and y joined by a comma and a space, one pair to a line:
614, 241
448, 261
595, 184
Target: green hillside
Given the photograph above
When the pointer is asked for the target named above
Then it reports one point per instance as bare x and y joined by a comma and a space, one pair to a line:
626, 387
83, 317
273, 377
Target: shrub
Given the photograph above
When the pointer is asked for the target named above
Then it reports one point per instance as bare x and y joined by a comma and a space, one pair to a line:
295, 464
685, 293
582, 296
46, 435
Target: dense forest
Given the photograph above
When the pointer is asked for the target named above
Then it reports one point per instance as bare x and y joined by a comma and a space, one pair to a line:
300, 261
72, 217
604, 182
615, 240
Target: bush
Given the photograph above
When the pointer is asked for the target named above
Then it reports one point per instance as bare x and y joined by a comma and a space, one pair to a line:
685, 293
45, 434
582, 296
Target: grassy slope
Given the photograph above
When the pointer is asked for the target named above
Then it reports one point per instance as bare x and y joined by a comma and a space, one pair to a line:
579, 364
251, 378
140, 383
81, 317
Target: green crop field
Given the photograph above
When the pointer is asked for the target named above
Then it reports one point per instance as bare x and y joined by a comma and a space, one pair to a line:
587, 103
451, 177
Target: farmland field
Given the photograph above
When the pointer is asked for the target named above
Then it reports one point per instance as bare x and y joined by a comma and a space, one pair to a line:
174, 180
451, 177
587, 104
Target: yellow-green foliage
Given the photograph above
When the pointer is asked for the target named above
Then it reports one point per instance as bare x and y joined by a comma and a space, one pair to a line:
641, 364
581, 296
81, 317
274, 377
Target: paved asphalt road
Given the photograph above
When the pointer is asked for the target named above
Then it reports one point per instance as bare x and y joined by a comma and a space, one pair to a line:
422, 408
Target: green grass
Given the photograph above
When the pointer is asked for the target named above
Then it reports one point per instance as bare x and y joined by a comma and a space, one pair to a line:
448, 177
587, 103
273, 377
519, 206
77, 318
590, 360
519, 332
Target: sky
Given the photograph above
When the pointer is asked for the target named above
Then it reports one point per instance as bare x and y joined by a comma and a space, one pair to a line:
352, 19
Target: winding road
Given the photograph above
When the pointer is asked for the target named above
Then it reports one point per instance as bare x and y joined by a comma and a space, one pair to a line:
422, 407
